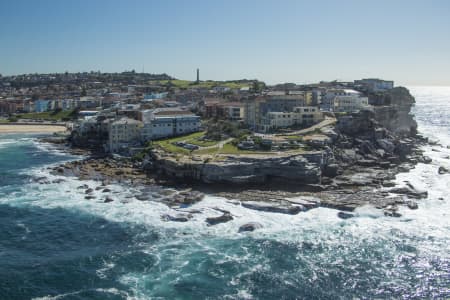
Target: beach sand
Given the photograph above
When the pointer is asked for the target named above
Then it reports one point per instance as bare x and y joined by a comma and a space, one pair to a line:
13, 128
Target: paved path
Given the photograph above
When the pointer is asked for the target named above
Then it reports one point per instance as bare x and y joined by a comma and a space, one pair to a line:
328, 121
219, 144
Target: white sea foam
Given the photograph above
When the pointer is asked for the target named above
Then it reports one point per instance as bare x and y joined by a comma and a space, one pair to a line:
112, 291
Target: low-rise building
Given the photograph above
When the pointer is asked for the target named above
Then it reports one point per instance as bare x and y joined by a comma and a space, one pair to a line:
233, 111
7, 107
303, 116
161, 123
41, 105
123, 133
256, 110
327, 99
350, 103
307, 115
375, 84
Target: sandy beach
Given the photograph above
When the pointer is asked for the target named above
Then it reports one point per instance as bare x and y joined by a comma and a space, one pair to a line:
15, 128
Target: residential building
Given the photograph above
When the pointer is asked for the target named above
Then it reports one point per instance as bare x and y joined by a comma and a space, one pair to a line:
233, 111
7, 107
221, 109
164, 122
153, 96
350, 103
328, 96
123, 133
304, 116
256, 110
375, 84
307, 115
41, 105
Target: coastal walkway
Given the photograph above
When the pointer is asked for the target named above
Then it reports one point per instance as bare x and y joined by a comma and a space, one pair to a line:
326, 122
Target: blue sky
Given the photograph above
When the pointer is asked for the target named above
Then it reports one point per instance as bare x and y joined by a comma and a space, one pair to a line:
275, 41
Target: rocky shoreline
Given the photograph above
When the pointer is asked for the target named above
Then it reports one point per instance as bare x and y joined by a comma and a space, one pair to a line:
356, 166
356, 186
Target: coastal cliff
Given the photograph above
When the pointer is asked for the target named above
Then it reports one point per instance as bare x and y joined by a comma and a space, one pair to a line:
392, 110
294, 168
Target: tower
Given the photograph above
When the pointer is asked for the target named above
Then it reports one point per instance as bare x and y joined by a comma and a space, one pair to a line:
198, 75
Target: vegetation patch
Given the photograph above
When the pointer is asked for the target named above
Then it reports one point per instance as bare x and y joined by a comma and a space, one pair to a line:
209, 84
56, 115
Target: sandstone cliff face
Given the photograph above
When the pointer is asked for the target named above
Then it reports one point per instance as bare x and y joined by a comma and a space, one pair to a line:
384, 135
298, 168
393, 111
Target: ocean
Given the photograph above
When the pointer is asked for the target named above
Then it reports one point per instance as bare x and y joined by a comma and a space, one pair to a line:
55, 244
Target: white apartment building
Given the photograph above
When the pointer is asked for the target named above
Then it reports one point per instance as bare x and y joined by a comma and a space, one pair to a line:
375, 84
329, 95
349, 103
161, 123
303, 115
123, 133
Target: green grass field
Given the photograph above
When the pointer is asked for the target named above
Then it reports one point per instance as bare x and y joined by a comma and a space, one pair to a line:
228, 148
192, 138
185, 84
49, 115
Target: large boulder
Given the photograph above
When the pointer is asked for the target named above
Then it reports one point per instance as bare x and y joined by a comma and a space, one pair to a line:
177, 218
221, 219
345, 215
250, 227
386, 145
409, 191
275, 207
443, 170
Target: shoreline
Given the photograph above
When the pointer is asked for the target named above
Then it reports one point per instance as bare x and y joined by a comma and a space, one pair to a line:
276, 197
27, 128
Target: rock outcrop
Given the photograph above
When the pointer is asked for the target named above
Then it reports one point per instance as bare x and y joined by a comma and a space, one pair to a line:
298, 168
392, 110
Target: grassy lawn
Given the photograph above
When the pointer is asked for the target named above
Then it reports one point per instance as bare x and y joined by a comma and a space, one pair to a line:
169, 147
206, 151
192, 138
200, 143
49, 115
229, 148
4, 121
293, 137
185, 84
